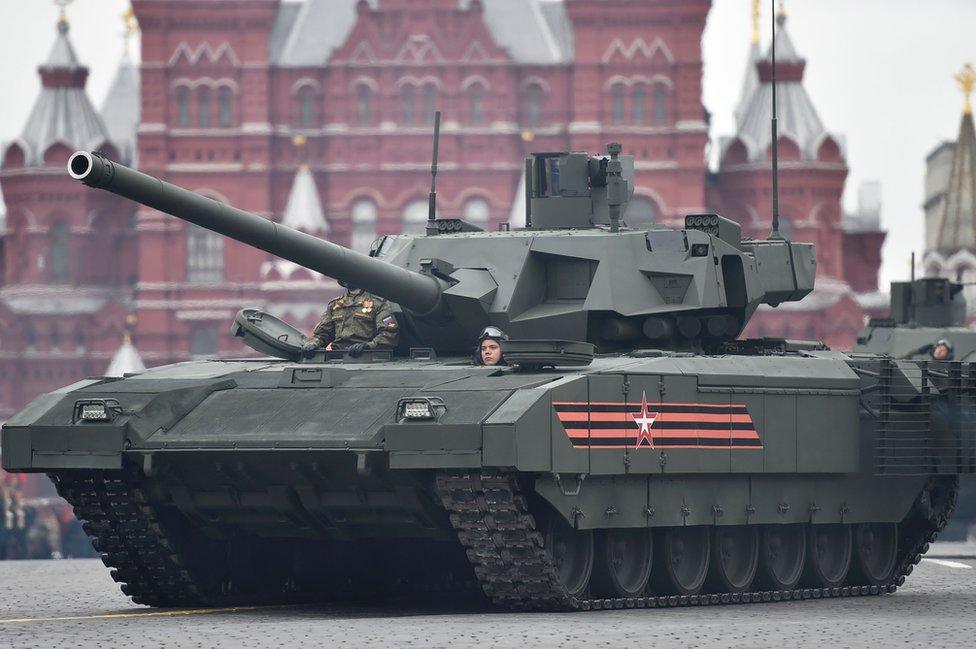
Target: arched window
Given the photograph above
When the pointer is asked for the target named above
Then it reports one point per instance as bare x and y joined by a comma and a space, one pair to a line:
407, 100
306, 107
363, 97
224, 95
183, 106
204, 255
533, 105
617, 111
60, 253
363, 225
430, 103
474, 104
660, 103
477, 212
415, 217
641, 213
637, 109
204, 98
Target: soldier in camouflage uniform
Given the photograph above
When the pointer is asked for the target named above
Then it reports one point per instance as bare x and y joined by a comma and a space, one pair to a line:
355, 321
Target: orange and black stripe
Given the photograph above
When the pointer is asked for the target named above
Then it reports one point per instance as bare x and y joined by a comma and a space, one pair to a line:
676, 425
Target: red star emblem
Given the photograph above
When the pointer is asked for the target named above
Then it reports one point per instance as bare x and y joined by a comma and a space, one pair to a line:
644, 421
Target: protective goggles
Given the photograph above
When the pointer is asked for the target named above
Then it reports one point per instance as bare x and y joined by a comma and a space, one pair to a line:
492, 332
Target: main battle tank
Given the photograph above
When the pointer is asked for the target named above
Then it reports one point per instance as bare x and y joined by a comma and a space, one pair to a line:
926, 313
633, 453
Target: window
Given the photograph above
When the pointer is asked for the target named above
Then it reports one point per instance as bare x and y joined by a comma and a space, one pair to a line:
660, 103
430, 103
407, 99
641, 213
415, 217
204, 255
363, 97
474, 104
637, 109
203, 341
617, 113
533, 105
224, 106
363, 225
306, 107
204, 99
60, 253
183, 106
477, 212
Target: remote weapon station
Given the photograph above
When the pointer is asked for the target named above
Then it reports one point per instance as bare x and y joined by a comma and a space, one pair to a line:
633, 453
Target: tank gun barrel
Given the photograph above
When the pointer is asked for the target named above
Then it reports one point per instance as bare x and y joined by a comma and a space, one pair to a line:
414, 291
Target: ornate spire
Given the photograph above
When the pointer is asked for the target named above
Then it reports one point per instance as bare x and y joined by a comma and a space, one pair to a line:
121, 108
62, 16
131, 28
126, 359
304, 209
967, 81
755, 22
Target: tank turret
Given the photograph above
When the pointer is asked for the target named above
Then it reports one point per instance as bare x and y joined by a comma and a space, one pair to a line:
576, 272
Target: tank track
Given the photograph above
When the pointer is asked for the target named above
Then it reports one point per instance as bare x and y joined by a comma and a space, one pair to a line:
493, 522
126, 530
130, 538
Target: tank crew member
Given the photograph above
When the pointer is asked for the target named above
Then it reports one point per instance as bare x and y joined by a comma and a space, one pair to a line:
941, 350
354, 322
489, 350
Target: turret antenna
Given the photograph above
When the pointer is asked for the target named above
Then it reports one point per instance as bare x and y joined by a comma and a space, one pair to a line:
775, 233
432, 197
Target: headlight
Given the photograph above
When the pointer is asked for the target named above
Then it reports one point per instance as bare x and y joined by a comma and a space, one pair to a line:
96, 410
420, 408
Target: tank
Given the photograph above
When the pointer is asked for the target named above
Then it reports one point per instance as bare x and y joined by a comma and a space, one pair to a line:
634, 453
924, 313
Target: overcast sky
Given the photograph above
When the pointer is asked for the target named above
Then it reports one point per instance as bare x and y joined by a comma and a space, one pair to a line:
879, 72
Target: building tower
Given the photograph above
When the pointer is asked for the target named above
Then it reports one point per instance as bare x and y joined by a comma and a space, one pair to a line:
67, 268
950, 207
812, 173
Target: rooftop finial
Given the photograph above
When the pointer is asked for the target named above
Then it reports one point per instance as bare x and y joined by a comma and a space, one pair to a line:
131, 26
62, 15
755, 21
967, 81
781, 14
299, 142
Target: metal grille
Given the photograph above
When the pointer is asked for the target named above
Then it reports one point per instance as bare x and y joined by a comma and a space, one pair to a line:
926, 422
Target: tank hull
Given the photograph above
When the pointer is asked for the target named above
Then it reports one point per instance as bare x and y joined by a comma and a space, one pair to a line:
297, 462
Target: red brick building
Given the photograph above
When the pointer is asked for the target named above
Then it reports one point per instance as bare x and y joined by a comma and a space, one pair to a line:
318, 114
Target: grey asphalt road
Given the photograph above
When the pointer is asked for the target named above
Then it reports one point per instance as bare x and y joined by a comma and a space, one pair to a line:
74, 603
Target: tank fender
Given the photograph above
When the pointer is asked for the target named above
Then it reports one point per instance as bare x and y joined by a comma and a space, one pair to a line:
662, 501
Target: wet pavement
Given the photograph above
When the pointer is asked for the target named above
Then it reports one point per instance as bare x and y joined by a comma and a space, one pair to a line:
74, 603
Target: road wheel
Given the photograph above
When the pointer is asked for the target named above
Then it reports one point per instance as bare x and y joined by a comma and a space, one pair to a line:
623, 562
782, 550
735, 558
571, 552
681, 560
875, 552
828, 555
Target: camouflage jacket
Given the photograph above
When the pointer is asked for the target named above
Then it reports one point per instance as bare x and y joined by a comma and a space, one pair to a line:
357, 318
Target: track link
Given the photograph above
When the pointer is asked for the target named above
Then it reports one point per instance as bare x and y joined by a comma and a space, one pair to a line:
493, 522
127, 533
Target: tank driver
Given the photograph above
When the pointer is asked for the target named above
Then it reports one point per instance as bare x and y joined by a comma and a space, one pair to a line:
489, 349
354, 322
